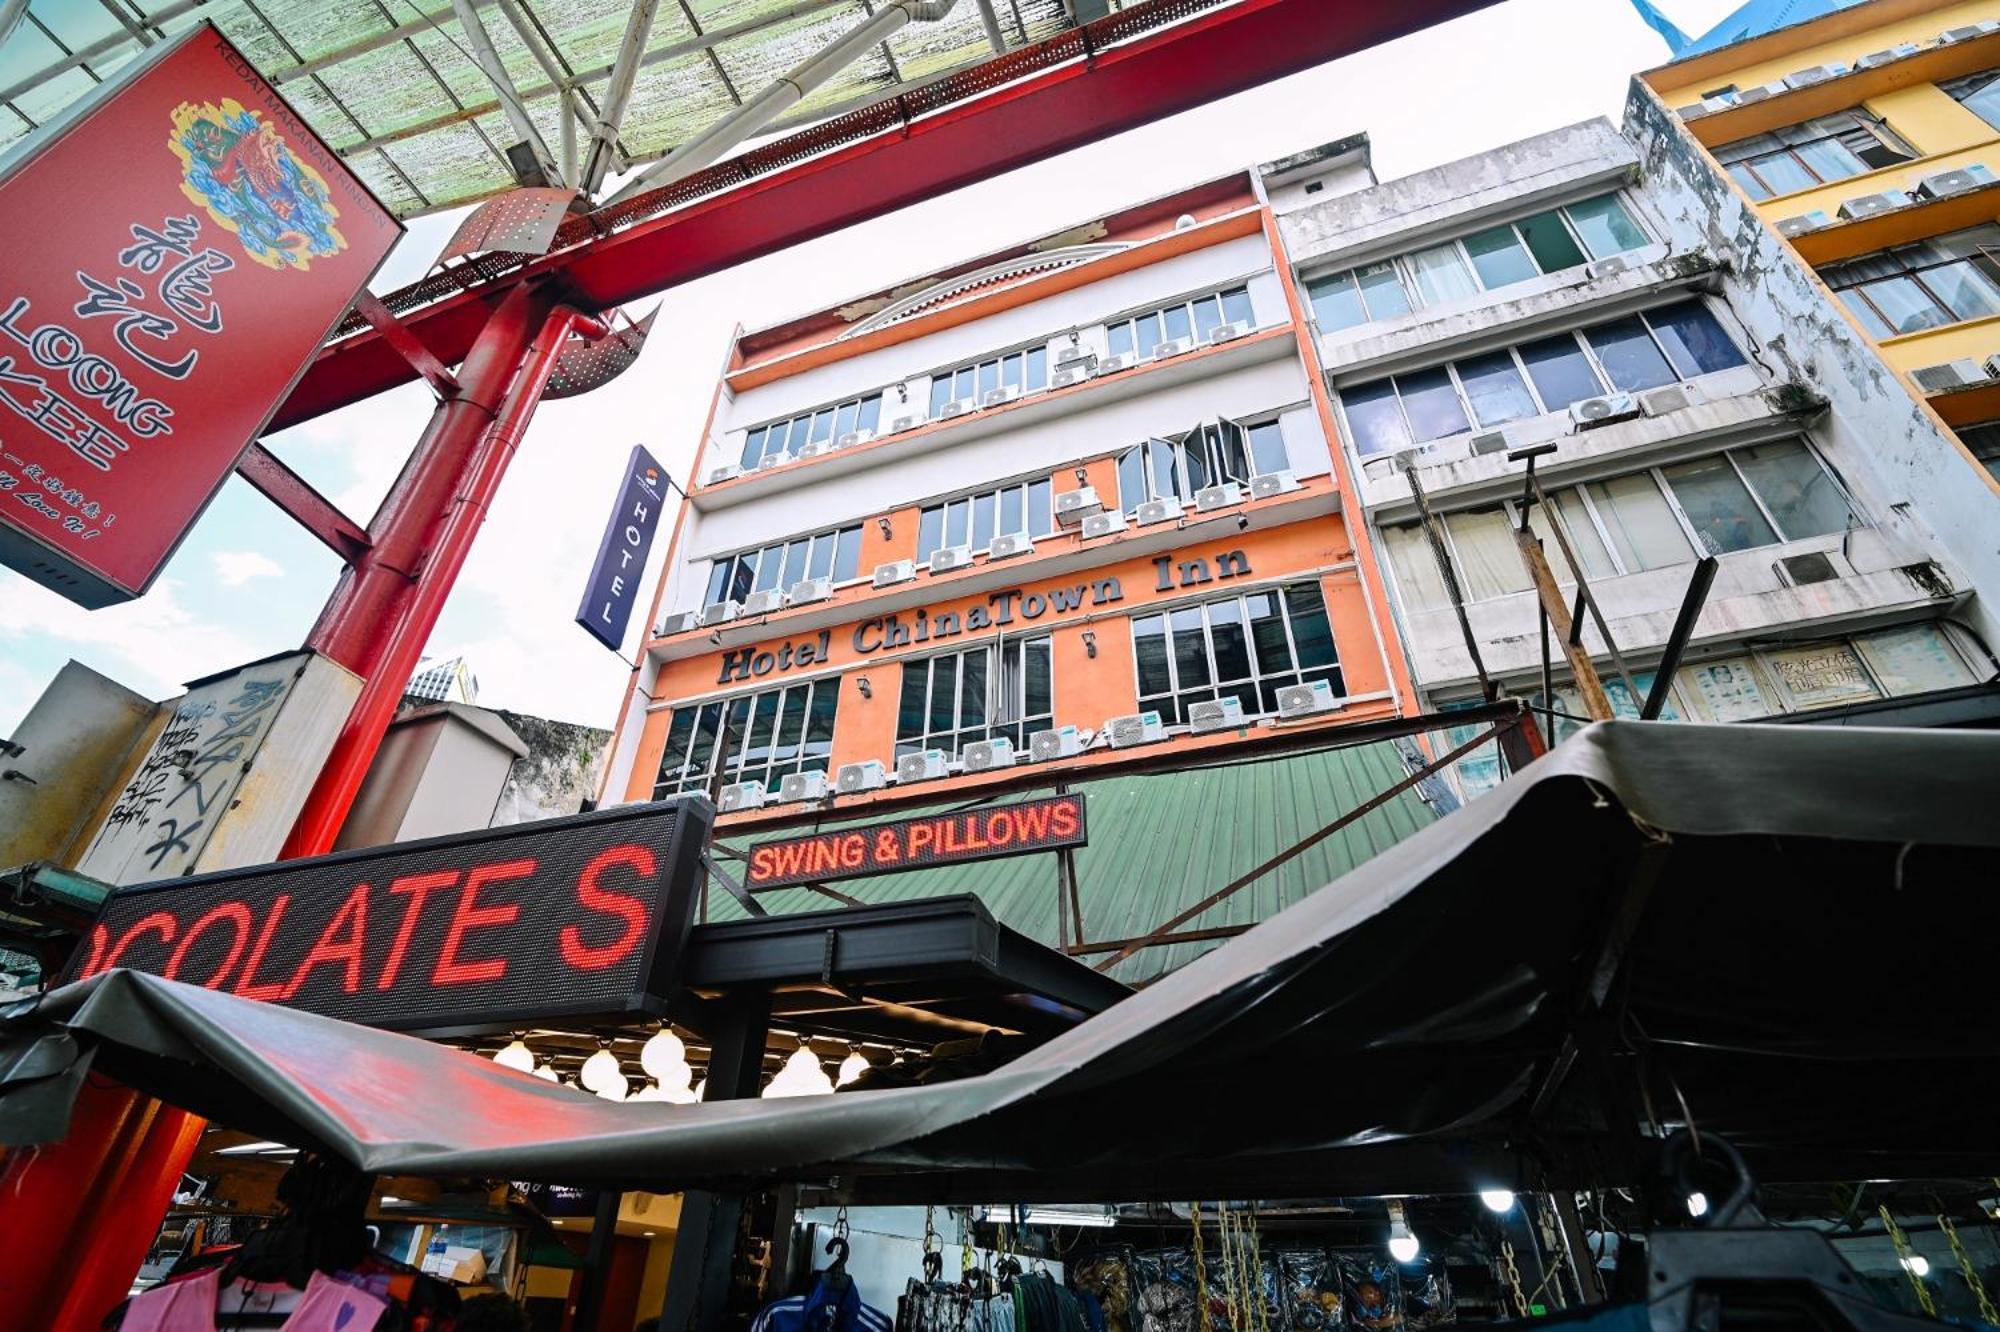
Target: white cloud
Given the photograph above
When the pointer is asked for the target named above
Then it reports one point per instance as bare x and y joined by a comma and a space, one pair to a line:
154, 644
237, 567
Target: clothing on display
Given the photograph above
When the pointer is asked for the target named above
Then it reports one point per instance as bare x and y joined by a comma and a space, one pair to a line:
1303, 1290
328, 1304
832, 1305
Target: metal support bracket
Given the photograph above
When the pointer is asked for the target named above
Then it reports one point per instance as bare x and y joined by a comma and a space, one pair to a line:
406, 344
304, 505
734, 889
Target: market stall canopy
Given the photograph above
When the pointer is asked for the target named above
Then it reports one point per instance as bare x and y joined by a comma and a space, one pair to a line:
1789, 932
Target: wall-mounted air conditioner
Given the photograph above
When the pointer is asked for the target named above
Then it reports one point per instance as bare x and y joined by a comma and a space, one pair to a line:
1282, 482
1303, 700
909, 420
1172, 347
1868, 205
1153, 512
1900, 51
1010, 544
894, 572
1806, 78
1111, 365
808, 590
854, 438
926, 766
1103, 524
1140, 728
1227, 332
801, 786
1970, 32
985, 755
1695, 111
1062, 742
679, 622
1219, 496
1489, 441
998, 397
770, 460
1073, 373
1804, 223
1949, 375
1602, 410
1073, 506
743, 795
1814, 566
1745, 96
1225, 714
816, 448
1668, 398
957, 407
947, 558
854, 778
1944, 184
727, 471
763, 603
720, 612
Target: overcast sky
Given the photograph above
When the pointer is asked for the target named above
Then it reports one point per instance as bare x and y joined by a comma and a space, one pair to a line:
247, 583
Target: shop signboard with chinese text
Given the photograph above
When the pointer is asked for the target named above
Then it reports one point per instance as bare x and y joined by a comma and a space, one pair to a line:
582, 917
925, 842
177, 251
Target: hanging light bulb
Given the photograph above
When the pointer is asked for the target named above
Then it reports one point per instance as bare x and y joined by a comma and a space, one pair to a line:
650, 1092
1403, 1246
547, 1073
614, 1091
700, 1089
679, 1095
601, 1070
661, 1052
1917, 1265
1497, 1200
852, 1067
516, 1055
1697, 1204
808, 1075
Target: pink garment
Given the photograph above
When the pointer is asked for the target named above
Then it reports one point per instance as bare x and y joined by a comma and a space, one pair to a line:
328, 1305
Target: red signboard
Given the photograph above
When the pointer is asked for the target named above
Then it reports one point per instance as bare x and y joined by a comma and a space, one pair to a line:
579, 917
919, 843
176, 251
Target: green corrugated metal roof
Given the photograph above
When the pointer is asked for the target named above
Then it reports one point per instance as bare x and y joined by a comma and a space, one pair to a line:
1160, 844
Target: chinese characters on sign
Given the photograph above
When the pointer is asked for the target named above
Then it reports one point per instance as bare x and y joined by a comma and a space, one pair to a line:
919, 843
145, 338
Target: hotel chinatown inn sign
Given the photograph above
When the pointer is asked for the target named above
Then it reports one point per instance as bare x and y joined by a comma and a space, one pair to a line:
176, 250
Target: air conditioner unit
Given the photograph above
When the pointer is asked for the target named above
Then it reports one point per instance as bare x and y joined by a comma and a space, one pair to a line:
1804, 222
853, 778
1073, 373
996, 397
1075, 354
856, 437
1806, 78
800, 786
1009, 544
947, 558
1868, 205
1220, 496
957, 407
1812, 567
1062, 742
1303, 700
1073, 506
1103, 524
1746, 96
808, 590
1227, 332
1944, 184
770, 460
1949, 375
720, 612
1273, 483
678, 623
743, 795
1111, 365
1970, 32
1719, 102
1695, 112
1141, 728
894, 572
1220, 715
1489, 441
1668, 398
909, 420
1600, 411
924, 767
1993, 367
1605, 268
816, 448
984, 755
726, 472
1152, 512
1900, 51
763, 603
1172, 347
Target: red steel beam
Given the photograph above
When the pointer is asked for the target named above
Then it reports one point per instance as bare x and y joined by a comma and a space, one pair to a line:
1222, 51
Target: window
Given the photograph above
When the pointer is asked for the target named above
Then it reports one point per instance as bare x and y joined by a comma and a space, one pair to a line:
784, 439
1002, 690
1023, 507
750, 738
1654, 519
1641, 351
1816, 153
1978, 93
833, 554
1498, 256
1984, 441
1944, 280
1188, 319
1026, 369
1180, 465
1243, 647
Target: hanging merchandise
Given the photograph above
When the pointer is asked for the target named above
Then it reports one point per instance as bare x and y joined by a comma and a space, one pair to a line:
1164, 1291
1106, 1277
1427, 1297
1311, 1292
1373, 1290
832, 1305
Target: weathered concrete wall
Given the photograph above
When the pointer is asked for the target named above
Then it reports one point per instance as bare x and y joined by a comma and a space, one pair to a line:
562, 768
1897, 458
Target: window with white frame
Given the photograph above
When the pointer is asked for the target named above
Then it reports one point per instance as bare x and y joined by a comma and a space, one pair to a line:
834, 554
1020, 508
1818, 152
1246, 647
784, 439
1180, 465
1978, 93
1947, 279
1194, 319
1744, 498
1659, 346
998, 690
1025, 369
1497, 256
762, 737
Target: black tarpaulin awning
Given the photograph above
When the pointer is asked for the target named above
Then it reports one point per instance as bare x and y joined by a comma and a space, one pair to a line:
1791, 931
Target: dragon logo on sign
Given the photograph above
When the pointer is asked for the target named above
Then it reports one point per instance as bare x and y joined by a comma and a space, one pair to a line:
237, 166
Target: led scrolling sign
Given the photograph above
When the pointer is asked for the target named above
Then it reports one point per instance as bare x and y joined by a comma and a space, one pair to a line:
919, 843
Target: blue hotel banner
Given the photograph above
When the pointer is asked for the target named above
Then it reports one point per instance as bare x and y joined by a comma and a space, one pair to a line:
606, 608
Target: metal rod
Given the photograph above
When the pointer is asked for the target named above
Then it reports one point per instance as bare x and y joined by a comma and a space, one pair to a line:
1576, 1246
617, 97
488, 59
303, 504
1677, 641
1582, 669
1583, 585
1548, 680
991, 22
1487, 687
1161, 940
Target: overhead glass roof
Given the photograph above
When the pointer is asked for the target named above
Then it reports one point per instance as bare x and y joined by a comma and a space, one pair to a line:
395, 87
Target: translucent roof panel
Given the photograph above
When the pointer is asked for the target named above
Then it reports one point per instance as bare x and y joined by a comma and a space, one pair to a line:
393, 86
